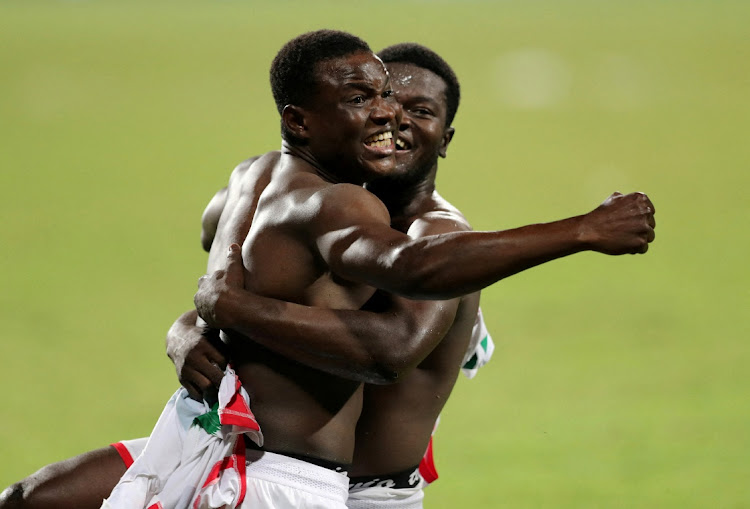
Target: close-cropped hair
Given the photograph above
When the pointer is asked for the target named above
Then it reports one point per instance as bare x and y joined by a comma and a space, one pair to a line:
424, 57
293, 68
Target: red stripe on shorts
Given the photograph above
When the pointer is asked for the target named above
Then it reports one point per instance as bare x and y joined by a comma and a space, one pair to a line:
427, 468
124, 453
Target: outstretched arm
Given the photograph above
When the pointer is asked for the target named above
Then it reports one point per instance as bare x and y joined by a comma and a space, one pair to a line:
360, 246
378, 347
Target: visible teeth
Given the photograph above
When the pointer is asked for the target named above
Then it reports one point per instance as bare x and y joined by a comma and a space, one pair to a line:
380, 140
379, 137
400, 143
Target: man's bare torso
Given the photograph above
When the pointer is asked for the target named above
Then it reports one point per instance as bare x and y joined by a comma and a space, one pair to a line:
302, 411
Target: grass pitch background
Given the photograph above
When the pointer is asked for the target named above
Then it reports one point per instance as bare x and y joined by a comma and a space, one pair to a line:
617, 382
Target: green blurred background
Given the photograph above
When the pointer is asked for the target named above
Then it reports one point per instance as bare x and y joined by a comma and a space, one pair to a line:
617, 382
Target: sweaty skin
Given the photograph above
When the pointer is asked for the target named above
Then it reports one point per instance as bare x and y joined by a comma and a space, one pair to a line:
319, 239
436, 373
414, 404
303, 411
426, 373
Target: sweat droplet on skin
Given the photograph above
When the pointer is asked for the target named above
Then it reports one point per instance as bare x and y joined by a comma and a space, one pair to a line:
404, 80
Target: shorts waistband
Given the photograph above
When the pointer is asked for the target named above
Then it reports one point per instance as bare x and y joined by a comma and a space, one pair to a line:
269, 467
408, 478
330, 465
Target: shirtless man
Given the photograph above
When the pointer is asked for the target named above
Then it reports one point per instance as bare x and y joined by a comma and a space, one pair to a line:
319, 238
536, 253
385, 471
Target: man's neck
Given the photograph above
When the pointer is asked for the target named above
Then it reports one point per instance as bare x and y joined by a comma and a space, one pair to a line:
303, 152
405, 199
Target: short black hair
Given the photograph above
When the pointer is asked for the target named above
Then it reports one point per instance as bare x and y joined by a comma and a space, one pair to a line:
293, 68
424, 57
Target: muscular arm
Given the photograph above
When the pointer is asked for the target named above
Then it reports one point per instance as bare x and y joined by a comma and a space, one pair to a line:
376, 345
360, 246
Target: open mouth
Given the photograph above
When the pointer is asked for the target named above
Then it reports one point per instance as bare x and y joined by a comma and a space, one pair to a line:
402, 144
382, 140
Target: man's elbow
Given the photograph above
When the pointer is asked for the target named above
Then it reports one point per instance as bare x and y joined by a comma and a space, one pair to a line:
372, 372
392, 364
381, 376
376, 371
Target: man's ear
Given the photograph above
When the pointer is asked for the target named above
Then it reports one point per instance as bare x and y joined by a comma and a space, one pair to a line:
447, 137
293, 120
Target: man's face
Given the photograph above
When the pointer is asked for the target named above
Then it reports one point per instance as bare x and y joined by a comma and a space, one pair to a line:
353, 118
423, 135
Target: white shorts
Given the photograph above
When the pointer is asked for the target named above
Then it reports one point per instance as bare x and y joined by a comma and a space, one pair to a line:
386, 498
129, 450
275, 481
400, 490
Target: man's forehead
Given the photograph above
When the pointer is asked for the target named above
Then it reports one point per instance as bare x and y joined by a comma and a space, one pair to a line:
361, 66
407, 77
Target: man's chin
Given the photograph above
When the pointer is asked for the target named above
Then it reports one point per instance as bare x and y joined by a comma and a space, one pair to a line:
401, 170
382, 167
404, 161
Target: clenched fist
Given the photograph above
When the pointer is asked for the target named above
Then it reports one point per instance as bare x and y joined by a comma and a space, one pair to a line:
622, 224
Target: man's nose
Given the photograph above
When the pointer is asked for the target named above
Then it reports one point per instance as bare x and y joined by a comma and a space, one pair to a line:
404, 124
387, 111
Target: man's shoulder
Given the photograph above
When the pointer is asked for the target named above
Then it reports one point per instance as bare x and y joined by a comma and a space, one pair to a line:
349, 193
305, 199
441, 217
258, 163
350, 200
